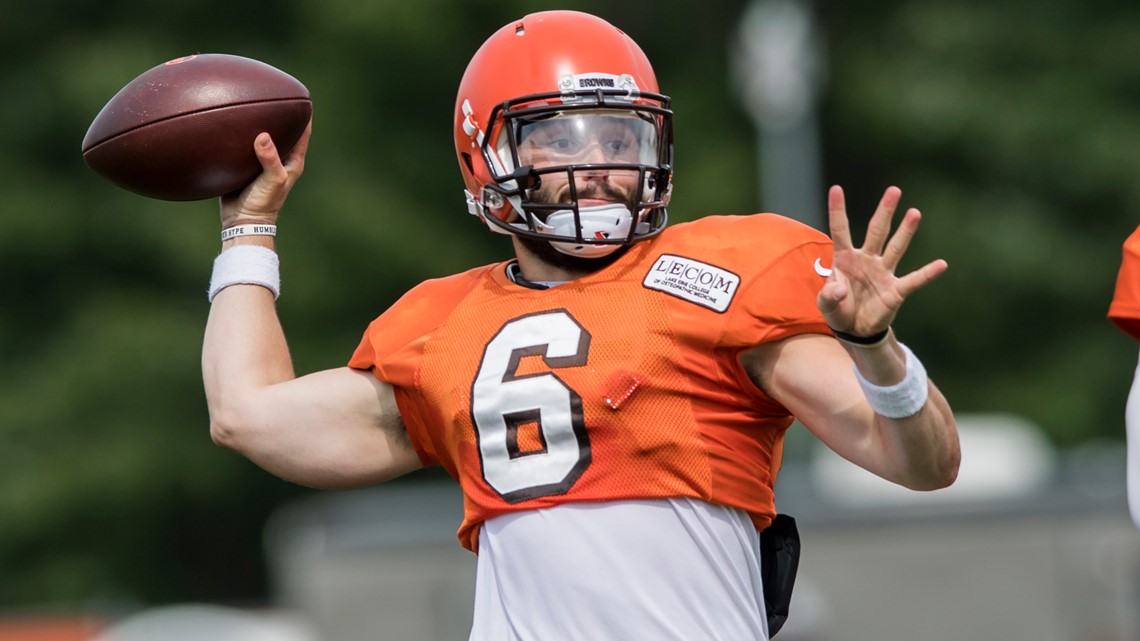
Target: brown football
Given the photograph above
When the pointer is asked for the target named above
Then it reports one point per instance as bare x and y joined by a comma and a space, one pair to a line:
184, 130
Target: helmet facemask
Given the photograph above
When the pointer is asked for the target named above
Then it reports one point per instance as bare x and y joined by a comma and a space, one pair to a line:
589, 171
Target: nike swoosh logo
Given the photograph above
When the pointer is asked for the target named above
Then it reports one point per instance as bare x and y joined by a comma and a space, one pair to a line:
821, 270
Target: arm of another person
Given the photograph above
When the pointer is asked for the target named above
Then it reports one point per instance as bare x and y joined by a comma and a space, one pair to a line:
333, 429
812, 375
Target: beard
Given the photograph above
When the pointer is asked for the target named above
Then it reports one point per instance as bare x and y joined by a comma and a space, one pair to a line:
544, 251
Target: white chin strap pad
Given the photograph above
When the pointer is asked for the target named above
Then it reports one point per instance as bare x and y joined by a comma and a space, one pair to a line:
611, 220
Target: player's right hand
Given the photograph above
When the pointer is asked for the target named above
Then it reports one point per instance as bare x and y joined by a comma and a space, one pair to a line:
262, 199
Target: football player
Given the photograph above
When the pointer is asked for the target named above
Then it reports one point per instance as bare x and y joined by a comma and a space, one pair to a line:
1124, 312
612, 401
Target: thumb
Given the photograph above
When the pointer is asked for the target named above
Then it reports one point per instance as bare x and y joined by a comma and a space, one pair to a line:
830, 296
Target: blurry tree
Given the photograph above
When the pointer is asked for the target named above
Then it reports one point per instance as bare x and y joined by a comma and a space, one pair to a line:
1013, 131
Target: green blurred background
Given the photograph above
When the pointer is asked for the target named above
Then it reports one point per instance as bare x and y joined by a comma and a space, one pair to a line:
1013, 127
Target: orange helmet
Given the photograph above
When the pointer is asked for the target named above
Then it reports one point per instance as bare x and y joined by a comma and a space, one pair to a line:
576, 92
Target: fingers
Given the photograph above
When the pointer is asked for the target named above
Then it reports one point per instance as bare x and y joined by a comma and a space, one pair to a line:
901, 240
289, 167
878, 229
263, 197
267, 155
296, 155
830, 296
919, 278
837, 218
880, 226
863, 290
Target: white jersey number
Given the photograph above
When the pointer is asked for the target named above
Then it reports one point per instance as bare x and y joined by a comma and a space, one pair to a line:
503, 402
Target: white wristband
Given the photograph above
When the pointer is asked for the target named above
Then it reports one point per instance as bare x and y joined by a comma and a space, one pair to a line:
246, 265
249, 230
906, 397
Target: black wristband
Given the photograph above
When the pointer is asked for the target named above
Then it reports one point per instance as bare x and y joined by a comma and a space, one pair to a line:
855, 339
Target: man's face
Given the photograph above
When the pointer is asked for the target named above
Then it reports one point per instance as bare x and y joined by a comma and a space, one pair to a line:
587, 138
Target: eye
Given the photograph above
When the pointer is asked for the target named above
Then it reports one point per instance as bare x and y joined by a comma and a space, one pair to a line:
617, 146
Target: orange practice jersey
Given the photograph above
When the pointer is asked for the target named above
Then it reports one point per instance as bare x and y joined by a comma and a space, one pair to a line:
1125, 308
624, 384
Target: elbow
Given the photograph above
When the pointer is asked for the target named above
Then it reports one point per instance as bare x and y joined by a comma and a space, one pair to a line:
221, 435
942, 460
940, 473
945, 476
949, 463
226, 429
954, 461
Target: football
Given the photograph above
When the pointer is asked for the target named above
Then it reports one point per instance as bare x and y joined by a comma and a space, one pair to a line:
184, 130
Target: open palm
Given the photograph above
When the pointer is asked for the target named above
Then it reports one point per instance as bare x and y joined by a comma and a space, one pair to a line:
862, 295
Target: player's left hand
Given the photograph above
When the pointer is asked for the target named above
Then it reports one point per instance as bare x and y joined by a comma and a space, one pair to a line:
862, 295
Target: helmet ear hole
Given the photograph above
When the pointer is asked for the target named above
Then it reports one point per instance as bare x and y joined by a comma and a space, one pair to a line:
466, 157
493, 199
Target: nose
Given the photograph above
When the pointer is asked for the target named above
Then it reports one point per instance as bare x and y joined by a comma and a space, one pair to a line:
595, 153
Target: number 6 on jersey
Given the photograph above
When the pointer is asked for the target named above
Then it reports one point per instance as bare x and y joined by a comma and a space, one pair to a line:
502, 401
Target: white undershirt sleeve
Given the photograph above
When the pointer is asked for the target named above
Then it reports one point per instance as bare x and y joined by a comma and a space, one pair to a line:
1132, 424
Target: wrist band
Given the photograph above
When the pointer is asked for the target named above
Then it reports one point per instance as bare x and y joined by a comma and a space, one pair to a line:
903, 399
862, 341
246, 265
249, 230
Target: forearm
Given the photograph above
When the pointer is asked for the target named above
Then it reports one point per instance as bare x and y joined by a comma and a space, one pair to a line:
921, 452
244, 350
913, 422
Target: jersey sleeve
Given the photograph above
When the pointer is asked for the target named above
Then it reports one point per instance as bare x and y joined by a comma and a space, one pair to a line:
392, 348
1124, 311
778, 295
396, 365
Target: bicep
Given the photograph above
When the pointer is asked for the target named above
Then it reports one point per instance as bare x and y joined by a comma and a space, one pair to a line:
811, 375
333, 429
